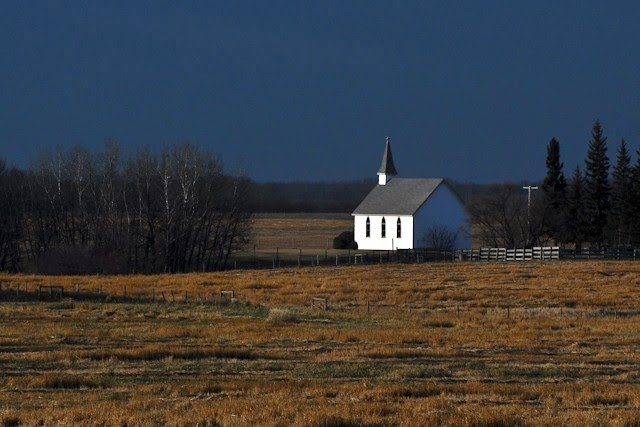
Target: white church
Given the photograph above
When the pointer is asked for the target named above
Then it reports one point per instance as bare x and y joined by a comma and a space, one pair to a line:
400, 212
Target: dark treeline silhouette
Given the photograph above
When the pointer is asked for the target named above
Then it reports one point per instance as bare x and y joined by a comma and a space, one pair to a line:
594, 207
327, 197
77, 211
332, 197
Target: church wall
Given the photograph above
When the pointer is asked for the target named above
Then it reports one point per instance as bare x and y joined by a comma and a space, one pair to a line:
442, 209
391, 241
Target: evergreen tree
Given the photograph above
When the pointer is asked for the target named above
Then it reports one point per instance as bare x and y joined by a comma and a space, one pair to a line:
621, 198
597, 186
635, 202
577, 223
554, 189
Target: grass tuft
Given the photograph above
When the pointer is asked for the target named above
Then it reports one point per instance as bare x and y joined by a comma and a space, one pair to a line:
346, 422
439, 324
282, 315
160, 353
67, 382
62, 305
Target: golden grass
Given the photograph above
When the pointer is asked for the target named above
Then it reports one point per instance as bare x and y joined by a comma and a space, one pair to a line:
298, 231
443, 344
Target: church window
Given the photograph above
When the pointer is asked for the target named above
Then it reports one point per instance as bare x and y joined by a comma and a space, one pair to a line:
384, 228
399, 229
368, 230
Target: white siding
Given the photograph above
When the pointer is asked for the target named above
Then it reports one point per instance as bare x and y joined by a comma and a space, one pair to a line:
376, 241
444, 209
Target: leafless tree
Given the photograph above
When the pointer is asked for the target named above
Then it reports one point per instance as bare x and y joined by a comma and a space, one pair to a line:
79, 211
499, 217
10, 217
440, 237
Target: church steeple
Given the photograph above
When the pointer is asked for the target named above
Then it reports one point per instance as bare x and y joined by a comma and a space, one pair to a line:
387, 168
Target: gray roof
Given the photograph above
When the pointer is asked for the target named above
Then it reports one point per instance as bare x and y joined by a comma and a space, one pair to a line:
387, 166
401, 196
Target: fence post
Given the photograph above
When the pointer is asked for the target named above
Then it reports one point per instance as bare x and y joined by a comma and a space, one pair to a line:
336, 259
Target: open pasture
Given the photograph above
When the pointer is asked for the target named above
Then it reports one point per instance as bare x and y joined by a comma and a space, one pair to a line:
298, 231
474, 344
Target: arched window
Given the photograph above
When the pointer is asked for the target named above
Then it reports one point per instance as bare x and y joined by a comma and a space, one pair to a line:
399, 229
368, 230
384, 228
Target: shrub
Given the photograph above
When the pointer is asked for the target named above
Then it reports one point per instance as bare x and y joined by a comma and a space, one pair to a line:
11, 422
345, 241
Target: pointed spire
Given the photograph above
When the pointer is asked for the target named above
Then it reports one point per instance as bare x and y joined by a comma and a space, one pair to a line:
387, 167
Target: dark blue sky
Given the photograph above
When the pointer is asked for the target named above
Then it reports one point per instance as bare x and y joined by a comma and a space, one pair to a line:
306, 90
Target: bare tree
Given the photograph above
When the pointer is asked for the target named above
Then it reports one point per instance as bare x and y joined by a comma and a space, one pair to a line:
81, 212
440, 237
11, 229
499, 217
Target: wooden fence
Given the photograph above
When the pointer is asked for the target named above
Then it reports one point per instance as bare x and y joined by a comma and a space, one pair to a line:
604, 253
538, 253
504, 254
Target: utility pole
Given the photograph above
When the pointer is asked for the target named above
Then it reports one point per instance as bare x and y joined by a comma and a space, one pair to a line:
529, 188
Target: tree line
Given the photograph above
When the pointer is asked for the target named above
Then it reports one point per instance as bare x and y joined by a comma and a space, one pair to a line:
598, 206
77, 211
308, 197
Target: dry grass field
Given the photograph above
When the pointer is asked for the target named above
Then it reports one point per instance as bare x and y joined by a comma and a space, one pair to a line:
298, 231
476, 344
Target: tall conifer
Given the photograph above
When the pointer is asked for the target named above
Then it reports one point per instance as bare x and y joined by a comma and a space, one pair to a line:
635, 202
597, 186
621, 198
576, 218
554, 189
